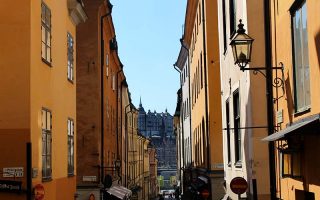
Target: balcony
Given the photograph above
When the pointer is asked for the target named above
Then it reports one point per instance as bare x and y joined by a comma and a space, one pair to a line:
76, 11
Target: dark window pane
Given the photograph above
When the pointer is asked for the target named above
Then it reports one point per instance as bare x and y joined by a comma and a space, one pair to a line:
301, 58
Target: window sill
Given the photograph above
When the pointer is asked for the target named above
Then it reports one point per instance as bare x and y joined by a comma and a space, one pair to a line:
293, 177
238, 164
71, 175
302, 111
46, 62
48, 179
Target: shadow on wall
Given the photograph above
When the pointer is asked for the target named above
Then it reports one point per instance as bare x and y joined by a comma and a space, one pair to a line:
289, 97
317, 41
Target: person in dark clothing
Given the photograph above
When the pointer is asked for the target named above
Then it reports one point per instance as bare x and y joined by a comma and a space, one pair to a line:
161, 197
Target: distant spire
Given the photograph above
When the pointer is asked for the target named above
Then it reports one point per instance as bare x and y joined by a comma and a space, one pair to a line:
140, 105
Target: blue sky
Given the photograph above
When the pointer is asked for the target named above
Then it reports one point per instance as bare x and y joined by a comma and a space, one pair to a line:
148, 33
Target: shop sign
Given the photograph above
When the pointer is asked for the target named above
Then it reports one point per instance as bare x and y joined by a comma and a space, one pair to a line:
10, 172
38, 192
218, 165
238, 185
10, 186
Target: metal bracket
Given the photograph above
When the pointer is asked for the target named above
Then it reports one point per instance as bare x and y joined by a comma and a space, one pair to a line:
277, 81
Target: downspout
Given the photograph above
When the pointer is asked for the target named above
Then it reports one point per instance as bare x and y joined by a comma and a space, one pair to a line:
133, 154
186, 48
122, 83
143, 182
269, 89
117, 113
181, 106
102, 91
126, 144
205, 83
29, 170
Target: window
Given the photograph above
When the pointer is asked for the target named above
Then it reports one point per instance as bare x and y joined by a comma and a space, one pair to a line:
291, 163
46, 143
237, 133
201, 70
200, 13
70, 128
204, 139
224, 25
107, 65
301, 57
114, 82
232, 16
228, 131
45, 33
70, 57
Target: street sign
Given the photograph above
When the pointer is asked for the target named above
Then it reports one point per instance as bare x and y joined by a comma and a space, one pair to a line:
39, 192
238, 185
10, 172
10, 186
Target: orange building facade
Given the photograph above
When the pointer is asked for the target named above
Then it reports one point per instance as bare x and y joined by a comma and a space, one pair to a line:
295, 39
38, 95
99, 96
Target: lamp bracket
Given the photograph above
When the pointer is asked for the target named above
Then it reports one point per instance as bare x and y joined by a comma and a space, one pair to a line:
278, 82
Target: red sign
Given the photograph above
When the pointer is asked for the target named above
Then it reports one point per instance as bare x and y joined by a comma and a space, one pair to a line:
205, 194
38, 192
238, 185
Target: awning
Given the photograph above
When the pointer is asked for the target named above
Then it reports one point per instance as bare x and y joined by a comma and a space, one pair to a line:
293, 128
120, 192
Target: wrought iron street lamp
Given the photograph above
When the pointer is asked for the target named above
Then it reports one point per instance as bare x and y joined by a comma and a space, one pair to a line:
117, 164
241, 47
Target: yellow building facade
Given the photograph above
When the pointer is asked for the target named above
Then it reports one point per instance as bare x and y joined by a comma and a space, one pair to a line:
38, 95
295, 39
137, 170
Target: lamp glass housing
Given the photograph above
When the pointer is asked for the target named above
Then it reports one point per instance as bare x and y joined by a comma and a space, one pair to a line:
241, 47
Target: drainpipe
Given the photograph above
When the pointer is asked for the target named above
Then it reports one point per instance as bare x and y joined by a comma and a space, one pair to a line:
29, 170
122, 83
182, 130
102, 90
126, 144
269, 90
205, 83
117, 113
133, 144
188, 60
